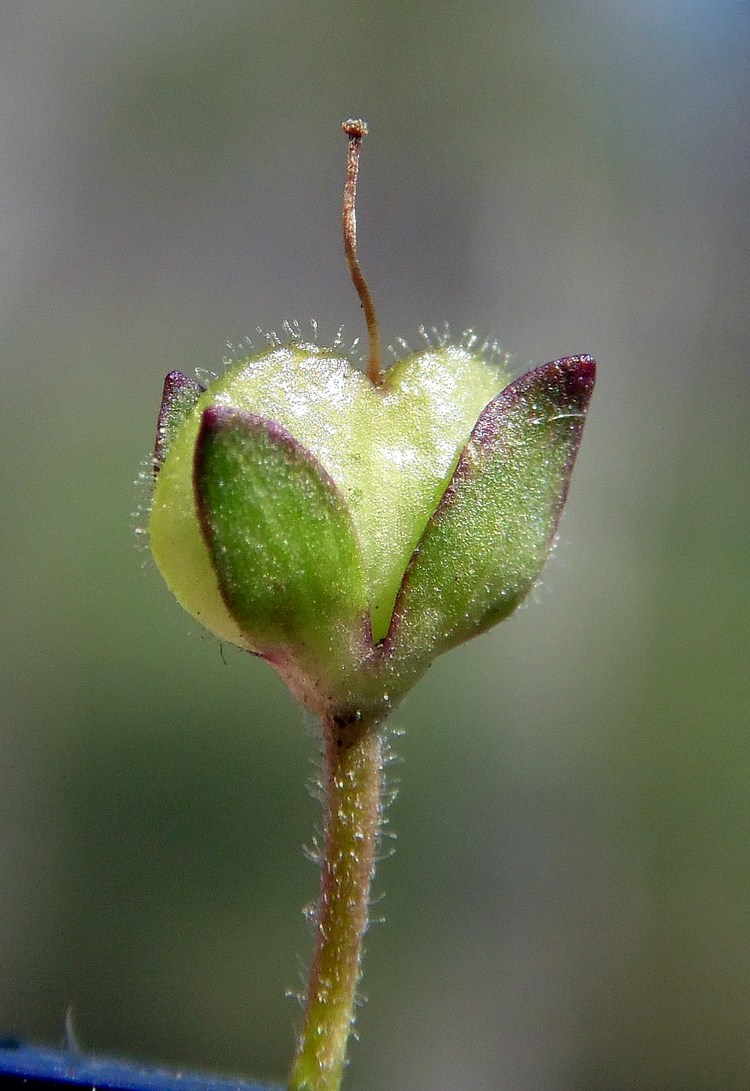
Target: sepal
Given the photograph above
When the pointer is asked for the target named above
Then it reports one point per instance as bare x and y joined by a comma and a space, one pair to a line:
282, 545
487, 542
179, 396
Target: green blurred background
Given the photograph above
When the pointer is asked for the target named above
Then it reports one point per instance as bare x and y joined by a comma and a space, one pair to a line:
569, 905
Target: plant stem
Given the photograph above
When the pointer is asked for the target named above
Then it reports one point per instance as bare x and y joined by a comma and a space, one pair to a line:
353, 782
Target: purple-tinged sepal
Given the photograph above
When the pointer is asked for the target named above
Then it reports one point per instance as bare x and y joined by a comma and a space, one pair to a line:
179, 396
486, 544
284, 552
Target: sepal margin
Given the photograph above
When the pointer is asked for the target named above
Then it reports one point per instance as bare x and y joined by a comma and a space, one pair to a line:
180, 395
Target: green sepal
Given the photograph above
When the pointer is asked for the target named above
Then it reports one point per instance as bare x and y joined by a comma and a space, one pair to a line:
179, 396
487, 542
282, 546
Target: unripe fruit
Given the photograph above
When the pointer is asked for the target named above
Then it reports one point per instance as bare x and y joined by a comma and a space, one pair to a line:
349, 527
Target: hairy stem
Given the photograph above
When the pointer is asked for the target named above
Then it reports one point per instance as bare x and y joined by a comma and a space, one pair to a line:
353, 782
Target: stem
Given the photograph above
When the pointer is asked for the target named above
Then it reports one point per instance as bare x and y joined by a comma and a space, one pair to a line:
355, 129
353, 782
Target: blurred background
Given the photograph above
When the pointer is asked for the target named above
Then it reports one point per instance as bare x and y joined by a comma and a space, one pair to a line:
569, 904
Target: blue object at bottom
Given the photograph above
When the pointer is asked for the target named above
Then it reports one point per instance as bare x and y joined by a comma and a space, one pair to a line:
23, 1066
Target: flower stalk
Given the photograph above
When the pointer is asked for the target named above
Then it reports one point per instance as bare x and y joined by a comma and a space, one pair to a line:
353, 778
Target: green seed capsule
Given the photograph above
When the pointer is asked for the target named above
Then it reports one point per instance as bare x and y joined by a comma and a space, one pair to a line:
348, 527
